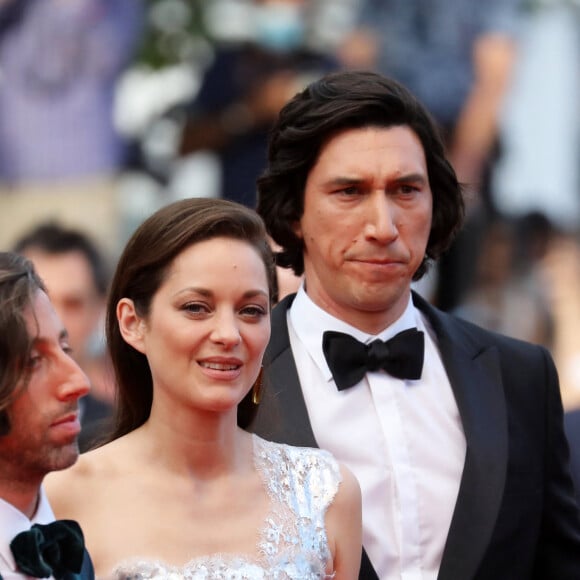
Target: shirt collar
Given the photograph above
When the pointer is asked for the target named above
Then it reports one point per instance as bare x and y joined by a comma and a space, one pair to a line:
309, 322
14, 522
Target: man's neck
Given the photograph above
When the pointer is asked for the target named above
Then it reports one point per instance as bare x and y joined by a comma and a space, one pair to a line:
23, 496
369, 322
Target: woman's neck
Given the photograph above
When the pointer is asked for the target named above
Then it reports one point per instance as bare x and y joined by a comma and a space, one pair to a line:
202, 445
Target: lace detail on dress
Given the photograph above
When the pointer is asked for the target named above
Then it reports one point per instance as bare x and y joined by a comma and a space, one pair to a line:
301, 483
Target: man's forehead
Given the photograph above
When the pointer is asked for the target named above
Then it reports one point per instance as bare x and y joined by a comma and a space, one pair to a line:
42, 322
73, 259
65, 274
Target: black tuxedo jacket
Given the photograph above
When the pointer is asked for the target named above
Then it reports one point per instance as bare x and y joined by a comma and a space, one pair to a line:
87, 571
516, 516
572, 430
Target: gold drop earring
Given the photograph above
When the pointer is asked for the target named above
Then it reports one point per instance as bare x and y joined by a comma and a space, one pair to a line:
257, 388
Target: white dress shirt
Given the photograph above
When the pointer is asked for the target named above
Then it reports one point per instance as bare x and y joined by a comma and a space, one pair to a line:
12, 522
403, 440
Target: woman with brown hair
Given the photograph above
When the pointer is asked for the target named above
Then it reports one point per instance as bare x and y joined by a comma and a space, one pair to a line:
181, 489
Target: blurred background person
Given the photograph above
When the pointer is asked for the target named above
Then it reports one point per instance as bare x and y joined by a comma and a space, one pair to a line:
60, 151
262, 55
60, 61
508, 293
561, 270
76, 274
539, 169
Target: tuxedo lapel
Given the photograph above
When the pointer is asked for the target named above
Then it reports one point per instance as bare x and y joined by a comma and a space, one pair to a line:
475, 378
87, 571
282, 397
477, 388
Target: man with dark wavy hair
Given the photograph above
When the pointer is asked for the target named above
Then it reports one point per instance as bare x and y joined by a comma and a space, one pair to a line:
454, 433
40, 385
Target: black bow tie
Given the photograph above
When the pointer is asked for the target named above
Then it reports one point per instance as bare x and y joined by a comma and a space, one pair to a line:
51, 550
349, 359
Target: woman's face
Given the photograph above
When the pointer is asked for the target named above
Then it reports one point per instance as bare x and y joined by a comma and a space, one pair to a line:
208, 326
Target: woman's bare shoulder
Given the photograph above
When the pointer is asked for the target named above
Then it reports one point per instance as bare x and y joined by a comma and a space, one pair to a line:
349, 492
346, 509
344, 526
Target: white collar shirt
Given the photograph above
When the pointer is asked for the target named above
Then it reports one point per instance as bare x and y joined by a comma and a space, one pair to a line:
12, 522
402, 439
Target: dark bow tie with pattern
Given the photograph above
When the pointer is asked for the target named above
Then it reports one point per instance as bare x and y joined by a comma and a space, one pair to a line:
54, 549
349, 359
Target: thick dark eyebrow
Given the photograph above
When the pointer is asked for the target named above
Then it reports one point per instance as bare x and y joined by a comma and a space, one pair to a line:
343, 181
340, 181
417, 178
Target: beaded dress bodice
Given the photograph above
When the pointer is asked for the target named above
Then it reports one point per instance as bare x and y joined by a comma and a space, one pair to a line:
301, 483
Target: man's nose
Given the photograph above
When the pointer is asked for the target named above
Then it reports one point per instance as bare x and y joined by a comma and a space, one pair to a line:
381, 219
75, 383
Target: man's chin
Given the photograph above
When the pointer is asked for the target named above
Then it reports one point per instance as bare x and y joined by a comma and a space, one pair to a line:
65, 456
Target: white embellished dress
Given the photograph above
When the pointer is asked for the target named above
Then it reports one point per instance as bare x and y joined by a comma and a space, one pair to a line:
301, 484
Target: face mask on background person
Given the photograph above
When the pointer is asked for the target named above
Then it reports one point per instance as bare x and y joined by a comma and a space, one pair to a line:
279, 26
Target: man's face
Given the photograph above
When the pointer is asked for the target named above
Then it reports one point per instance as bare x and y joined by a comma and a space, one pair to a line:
71, 287
366, 222
44, 422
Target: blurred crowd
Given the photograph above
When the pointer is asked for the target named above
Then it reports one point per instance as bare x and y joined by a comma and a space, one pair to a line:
110, 109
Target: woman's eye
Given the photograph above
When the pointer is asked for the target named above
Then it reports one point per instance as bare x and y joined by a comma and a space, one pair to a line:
195, 308
253, 311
